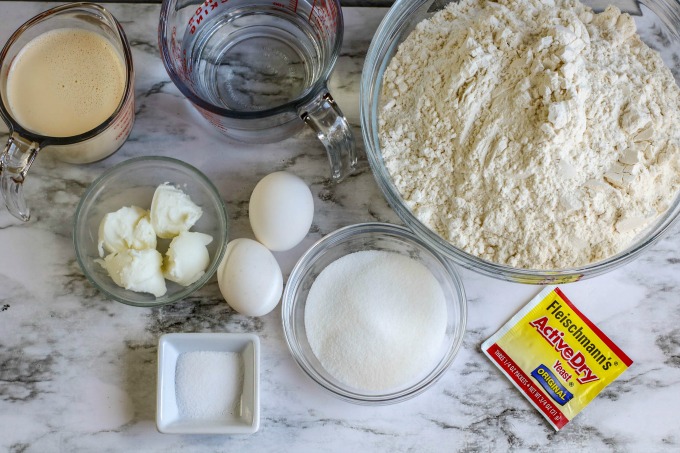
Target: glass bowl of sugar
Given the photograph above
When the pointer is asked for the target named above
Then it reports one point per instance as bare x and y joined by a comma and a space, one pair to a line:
374, 315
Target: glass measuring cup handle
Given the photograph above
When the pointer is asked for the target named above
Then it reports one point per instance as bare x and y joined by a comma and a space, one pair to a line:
324, 116
15, 161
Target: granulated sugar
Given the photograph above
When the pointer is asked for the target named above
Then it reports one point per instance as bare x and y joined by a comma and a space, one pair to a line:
208, 385
376, 320
532, 133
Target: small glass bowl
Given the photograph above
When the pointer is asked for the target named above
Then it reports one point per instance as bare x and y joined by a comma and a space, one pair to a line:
658, 26
133, 182
355, 238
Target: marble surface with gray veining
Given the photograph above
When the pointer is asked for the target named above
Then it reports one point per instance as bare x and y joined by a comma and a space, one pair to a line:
78, 372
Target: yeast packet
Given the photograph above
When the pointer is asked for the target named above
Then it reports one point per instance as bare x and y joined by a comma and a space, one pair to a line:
555, 356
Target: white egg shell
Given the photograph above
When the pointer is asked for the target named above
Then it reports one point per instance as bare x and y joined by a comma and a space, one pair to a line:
281, 211
250, 278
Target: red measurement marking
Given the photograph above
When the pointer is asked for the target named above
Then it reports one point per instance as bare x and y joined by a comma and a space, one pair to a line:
312, 11
324, 15
202, 12
125, 121
213, 119
178, 56
292, 5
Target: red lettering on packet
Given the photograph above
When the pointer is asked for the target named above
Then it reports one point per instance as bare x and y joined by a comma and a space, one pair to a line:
576, 361
553, 354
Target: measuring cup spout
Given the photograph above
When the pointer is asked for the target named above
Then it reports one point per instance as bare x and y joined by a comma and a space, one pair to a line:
14, 164
324, 116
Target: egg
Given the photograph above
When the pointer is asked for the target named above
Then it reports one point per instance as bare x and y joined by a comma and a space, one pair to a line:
281, 210
250, 278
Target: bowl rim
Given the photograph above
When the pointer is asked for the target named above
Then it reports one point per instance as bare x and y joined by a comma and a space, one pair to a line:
118, 168
383, 42
341, 235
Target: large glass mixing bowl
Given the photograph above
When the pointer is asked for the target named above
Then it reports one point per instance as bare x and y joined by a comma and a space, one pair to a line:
658, 23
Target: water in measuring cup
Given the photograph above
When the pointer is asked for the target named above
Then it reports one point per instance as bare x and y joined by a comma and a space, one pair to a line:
252, 60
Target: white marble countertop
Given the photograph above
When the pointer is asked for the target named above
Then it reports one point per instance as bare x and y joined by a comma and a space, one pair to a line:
78, 372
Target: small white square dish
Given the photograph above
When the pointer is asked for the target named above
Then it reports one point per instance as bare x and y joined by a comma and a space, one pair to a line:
207, 360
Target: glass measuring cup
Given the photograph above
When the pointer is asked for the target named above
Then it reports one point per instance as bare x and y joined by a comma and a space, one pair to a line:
258, 69
92, 145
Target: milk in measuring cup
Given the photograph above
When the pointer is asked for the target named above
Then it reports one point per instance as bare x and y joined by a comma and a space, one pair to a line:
66, 82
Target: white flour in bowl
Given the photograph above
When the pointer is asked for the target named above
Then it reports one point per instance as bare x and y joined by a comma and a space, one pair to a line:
531, 133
